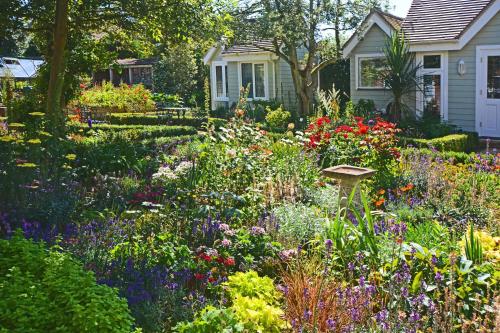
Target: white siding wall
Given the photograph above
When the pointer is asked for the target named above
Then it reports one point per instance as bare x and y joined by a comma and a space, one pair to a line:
462, 89
373, 42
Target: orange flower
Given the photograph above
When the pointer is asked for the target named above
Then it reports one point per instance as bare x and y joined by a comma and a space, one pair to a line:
381, 192
380, 202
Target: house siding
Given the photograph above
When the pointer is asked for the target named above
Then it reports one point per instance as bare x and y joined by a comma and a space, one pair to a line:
373, 42
233, 83
462, 89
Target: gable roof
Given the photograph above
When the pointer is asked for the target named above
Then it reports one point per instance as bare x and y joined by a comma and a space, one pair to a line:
253, 47
385, 21
433, 25
441, 20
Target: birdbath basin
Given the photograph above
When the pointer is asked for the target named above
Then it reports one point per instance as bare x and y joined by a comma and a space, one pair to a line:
349, 177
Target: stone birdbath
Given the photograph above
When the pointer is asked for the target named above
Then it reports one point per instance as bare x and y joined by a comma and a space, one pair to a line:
349, 177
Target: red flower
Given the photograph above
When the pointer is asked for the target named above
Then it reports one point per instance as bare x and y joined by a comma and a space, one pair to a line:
363, 129
212, 279
344, 128
205, 257
220, 259
346, 136
199, 276
229, 262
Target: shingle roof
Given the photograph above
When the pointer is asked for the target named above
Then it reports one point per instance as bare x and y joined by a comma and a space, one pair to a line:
136, 62
441, 20
253, 47
393, 20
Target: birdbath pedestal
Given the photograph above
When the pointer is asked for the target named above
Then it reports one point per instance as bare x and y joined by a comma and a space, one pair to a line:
349, 177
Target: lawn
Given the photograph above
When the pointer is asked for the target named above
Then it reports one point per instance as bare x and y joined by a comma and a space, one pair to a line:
161, 227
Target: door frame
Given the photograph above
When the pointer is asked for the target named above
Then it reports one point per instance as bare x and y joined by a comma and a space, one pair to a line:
480, 79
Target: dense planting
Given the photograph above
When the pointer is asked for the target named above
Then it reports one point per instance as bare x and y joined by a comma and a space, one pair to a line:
236, 230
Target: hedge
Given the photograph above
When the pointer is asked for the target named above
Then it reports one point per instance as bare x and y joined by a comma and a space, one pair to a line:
464, 142
454, 156
133, 132
151, 119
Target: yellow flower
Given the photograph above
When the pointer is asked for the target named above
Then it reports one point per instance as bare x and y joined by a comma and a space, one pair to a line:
37, 114
71, 157
34, 141
27, 165
7, 138
14, 125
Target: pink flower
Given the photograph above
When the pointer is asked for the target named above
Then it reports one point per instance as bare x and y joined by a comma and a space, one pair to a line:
226, 242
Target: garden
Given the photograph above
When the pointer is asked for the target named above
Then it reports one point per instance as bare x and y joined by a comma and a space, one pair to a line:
224, 226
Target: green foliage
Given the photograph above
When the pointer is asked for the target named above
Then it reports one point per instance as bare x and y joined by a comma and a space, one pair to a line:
176, 70
473, 247
131, 132
123, 98
298, 222
250, 284
257, 315
47, 291
150, 119
465, 142
211, 320
401, 76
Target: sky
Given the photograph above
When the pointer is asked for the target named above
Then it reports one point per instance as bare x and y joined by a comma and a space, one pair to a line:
400, 7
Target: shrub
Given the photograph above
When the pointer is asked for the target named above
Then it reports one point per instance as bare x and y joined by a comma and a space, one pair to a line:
133, 132
278, 119
47, 291
151, 119
211, 320
250, 284
123, 98
465, 142
299, 222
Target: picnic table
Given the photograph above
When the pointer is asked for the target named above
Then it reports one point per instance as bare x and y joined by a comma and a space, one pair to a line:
167, 111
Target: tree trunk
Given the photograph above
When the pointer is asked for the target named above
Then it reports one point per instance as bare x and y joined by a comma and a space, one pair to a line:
338, 42
57, 65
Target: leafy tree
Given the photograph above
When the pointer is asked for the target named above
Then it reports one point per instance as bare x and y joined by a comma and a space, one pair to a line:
80, 36
295, 27
401, 76
176, 71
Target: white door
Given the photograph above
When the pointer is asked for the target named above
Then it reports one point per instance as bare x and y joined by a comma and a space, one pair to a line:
489, 92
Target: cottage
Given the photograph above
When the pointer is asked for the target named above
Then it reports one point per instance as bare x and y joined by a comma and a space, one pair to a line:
457, 44
128, 71
250, 66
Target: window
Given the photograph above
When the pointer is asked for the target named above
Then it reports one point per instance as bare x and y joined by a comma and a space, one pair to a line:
253, 78
494, 77
432, 97
220, 82
370, 72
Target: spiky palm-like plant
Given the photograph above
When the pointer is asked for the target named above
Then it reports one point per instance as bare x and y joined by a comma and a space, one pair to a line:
402, 75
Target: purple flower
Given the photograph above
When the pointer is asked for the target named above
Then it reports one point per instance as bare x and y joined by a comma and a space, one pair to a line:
438, 277
328, 244
257, 231
331, 324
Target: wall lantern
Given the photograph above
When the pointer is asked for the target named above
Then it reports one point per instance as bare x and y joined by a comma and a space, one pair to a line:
462, 69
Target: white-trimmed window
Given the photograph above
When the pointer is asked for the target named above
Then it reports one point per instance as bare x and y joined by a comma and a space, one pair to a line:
370, 69
254, 77
220, 83
432, 97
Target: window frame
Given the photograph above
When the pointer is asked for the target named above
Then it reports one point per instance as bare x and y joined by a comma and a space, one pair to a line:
443, 73
266, 79
358, 59
225, 86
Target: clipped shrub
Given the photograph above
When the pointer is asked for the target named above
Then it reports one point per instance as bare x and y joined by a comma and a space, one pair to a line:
464, 142
152, 119
133, 132
47, 291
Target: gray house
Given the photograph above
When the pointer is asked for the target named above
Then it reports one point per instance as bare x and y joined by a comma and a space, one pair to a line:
267, 76
457, 43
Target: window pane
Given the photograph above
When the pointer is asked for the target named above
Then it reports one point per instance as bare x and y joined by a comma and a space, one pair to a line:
227, 85
259, 81
494, 77
432, 62
246, 78
218, 81
371, 72
432, 95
